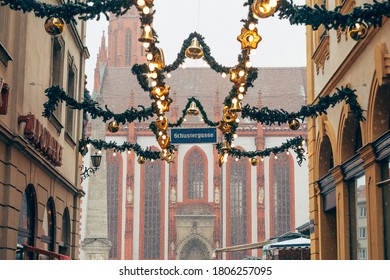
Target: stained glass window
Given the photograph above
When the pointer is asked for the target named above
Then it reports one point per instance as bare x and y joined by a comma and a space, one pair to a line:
152, 210
238, 210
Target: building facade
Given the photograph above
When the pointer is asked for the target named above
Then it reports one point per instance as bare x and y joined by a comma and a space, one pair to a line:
188, 208
39, 160
348, 159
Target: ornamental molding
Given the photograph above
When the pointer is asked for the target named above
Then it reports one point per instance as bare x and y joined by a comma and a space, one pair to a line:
321, 54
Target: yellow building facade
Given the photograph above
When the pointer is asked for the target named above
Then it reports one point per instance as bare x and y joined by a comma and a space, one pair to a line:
40, 186
349, 161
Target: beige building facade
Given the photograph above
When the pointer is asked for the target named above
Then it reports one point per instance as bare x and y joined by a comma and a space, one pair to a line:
40, 188
349, 160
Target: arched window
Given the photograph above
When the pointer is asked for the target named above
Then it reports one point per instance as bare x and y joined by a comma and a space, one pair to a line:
113, 203
48, 226
152, 228
239, 206
195, 175
281, 194
64, 247
128, 47
27, 218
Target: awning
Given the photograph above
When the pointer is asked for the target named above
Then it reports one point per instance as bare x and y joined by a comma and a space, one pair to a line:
300, 242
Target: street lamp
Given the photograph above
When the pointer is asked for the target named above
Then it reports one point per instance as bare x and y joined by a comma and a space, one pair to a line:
96, 160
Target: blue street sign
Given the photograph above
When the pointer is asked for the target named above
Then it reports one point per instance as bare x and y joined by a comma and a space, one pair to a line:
193, 135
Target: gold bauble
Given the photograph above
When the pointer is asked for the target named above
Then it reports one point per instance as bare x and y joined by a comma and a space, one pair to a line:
264, 8
254, 161
141, 160
249, 38
162, 123
294, 124
54, 26
113, 126
358, 30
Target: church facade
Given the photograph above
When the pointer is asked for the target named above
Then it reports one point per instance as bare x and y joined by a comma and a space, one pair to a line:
189, 207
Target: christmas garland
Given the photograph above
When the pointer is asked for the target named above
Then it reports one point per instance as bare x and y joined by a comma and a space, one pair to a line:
370, 14
315, 16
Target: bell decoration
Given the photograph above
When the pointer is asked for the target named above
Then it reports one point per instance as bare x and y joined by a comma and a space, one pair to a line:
254, 161
158, 58
358, 30
249, 38
141, 160
194, 51
264, 8
54, 26
294, 124
236, 105
147, 35
162, 123
193, 109
228, 116
113, 126
225, 146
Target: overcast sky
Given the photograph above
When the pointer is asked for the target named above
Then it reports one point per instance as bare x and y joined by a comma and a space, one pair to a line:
218, 21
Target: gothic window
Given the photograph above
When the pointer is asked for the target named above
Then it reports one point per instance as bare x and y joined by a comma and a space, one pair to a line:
57, 65
49, 226
196, 175
71, 92
281, 191
239, 208
64, 247
152, 227
128, 48
27, 218
113, 176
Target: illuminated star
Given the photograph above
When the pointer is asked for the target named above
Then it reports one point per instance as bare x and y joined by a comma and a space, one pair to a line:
249, 38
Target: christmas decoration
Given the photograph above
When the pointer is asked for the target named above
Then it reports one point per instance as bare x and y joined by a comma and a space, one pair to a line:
54, 26
254, 161
151, 75
294, 124
358, 31
113, 127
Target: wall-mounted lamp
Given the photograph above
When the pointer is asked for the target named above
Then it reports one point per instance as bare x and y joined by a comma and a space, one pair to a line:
96, 160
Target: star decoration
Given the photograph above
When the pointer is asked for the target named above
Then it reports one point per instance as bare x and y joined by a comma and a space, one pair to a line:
160, 91
249, 38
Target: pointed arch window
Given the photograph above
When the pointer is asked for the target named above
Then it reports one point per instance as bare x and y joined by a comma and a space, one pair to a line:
64, 247
239, 210
49, 226
27, 218
113, 203
152, 219
195, 175
282, 194
128, 47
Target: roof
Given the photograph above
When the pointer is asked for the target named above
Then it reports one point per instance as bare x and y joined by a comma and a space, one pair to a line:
278, 87
300, 242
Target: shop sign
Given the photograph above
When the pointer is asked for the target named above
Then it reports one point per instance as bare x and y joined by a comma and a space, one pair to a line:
42, 140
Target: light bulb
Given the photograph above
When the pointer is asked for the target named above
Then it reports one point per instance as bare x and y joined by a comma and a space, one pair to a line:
223, 75
146, 10
153, 75
141, 3
241, 89
152, 67
241, 73
147, 28
146, 45
248, 64
169, 75
252, 26
240, 96
154, 83
149, 56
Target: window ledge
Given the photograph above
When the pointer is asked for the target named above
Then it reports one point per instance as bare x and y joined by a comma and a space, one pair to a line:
69, 140
321, 54
5, 56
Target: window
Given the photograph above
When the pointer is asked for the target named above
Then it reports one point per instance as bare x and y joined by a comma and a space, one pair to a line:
27, 219
385, 184
113, 176
362, 254
195, 175
152, 225
362, 212
64, 246
238, 210
128, 48
281, 194
358, 228
48, 226
71, 91
57, 69
362, 232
